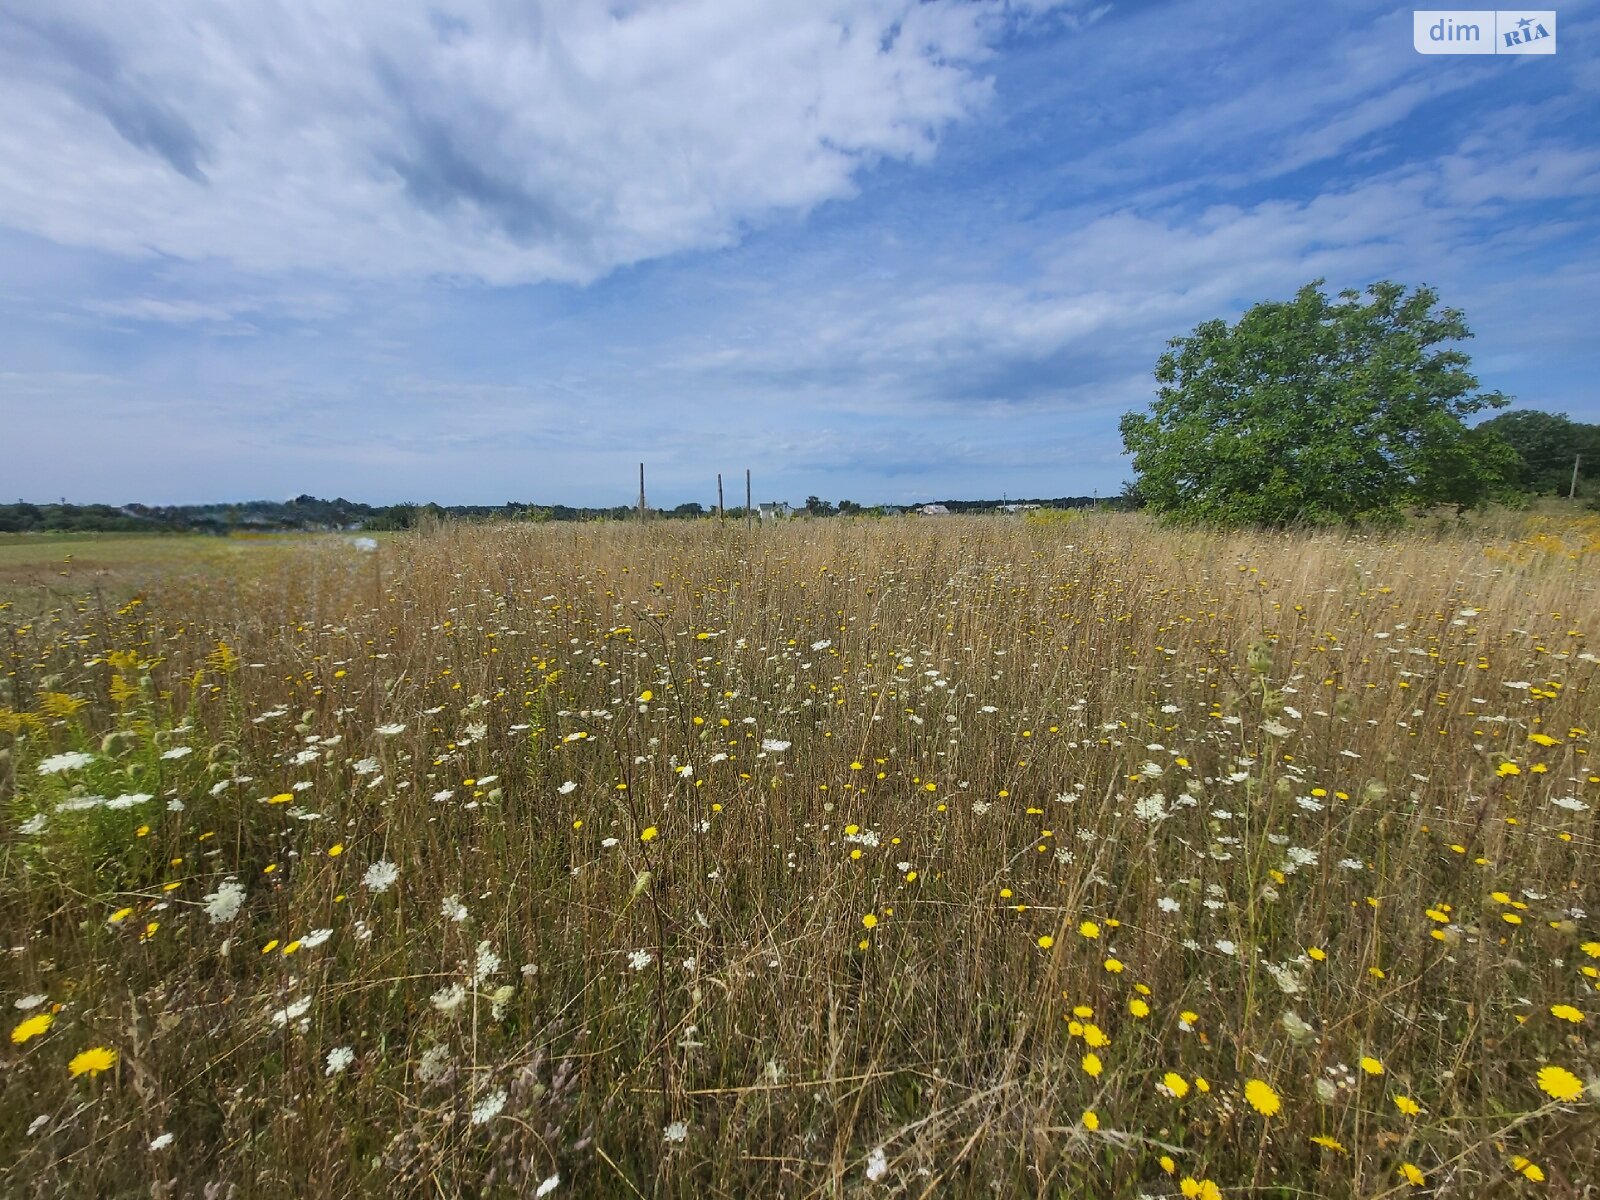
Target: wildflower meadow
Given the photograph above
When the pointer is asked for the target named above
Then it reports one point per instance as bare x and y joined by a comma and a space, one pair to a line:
1066, 856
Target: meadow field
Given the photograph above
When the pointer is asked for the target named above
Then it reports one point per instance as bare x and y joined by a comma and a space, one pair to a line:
968, 857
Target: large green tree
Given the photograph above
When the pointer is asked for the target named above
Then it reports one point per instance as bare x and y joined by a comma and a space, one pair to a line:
1317, 410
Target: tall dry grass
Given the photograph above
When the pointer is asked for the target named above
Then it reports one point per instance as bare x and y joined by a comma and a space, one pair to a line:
909, 857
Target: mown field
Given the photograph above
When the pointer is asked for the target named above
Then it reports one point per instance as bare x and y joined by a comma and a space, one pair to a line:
950, 857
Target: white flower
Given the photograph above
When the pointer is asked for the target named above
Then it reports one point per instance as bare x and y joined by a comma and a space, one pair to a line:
38, 1123
1167, 904
434, 1063
223, 904
640, 959
545, 1188
1275, 729
179, 752
315, 938
489, 1107
1570, 803
34, 824
442, 796
381, 875
488, 963
1227, 947
304, 757
453, 909
72, 760
448, 999
774, 746
339, 1058
567, 788
391, 730
822, 645
877, 1164
129, 800
293, 1012
161, 1141
32, 1001
1150, 808
608, 843
366, 766
675, 1134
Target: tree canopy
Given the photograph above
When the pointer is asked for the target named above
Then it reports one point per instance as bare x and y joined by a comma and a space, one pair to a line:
1318, 410
1546, 446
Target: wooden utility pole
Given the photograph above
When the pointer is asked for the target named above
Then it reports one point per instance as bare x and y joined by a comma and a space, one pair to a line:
641, 491
747, 499
1572, 492
719, 497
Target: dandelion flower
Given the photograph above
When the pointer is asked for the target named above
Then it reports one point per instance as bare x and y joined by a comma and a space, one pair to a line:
1560, 1083
1407, 1105
31, 1028
1089, 930
1412, 1174
1091, 1120
870, 920
1046, 942
1527, 1169
1567, 1013
1328, 1143
1092, 1065
1262, 1098
1176, 1085
650, 834
1372, 1066
92, 1061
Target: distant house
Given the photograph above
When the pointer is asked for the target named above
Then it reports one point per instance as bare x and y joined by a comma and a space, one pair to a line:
934, 510
775, 510
1017, 508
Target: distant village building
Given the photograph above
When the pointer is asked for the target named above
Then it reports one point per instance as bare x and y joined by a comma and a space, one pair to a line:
775, 510
1017, 508
934, 510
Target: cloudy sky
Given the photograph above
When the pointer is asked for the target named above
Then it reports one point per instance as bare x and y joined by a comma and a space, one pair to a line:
486, 250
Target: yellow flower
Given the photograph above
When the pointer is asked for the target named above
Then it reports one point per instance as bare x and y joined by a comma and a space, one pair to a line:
646, 696
1091, 1121
31, 1028
1176, 1084
1089, 930
1091, 1063
1407, 1105
92, 1062
1046, 942
1094, 1036
1412, 1175
1567, 1013
1372, 1066
281, 798
1526, 1169
335, 850
869, 920
650, 833
1560, 1083
1199, 1189
1138, 1008
1168, 1164
1328, 1143
121, 915
1261, 1097
1114, 966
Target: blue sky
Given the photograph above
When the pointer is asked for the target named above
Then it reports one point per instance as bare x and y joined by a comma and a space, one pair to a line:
871, 249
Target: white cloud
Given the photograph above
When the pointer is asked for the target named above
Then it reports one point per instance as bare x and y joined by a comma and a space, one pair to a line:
497, 140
